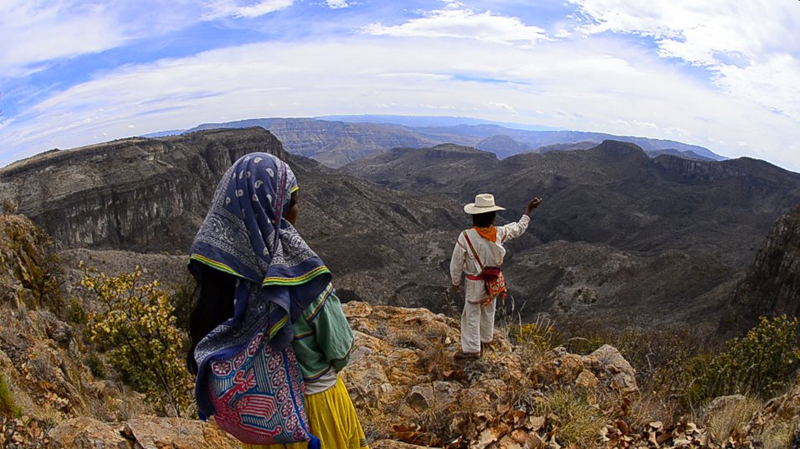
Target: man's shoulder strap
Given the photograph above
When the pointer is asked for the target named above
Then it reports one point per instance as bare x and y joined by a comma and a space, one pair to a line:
472, 248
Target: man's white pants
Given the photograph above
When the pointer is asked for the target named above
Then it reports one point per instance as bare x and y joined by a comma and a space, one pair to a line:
477, 325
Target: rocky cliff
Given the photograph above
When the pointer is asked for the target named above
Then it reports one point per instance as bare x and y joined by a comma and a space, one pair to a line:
140, 194
772, 284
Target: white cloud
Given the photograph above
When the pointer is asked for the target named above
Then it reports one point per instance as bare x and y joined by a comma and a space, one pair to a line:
751, 46
337, 4
34, 31
595, 84
504, 107
239, 9
458, 21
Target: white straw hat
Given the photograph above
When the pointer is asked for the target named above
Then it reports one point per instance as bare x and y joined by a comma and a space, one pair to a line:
484, 202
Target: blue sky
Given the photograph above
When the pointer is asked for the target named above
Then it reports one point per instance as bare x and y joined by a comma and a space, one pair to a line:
722, 74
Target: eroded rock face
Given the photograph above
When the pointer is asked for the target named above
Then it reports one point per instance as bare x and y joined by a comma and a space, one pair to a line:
772, 285
129, 194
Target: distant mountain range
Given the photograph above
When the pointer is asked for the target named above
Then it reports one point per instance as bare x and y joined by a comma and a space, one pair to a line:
339, 140
429, 121
621, 237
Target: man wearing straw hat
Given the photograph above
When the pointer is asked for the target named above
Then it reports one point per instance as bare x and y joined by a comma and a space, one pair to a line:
479, 254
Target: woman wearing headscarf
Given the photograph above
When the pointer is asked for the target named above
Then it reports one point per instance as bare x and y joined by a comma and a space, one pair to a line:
255, 273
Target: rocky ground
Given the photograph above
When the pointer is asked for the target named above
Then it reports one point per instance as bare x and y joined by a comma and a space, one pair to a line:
409, 392
407, 387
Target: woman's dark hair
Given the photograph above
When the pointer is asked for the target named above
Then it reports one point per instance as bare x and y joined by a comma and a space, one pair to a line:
483, 220
213, 299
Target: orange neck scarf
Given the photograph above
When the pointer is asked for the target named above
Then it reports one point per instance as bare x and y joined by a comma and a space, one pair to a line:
489, 233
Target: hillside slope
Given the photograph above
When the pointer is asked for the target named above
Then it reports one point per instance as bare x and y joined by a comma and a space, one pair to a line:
612, 194
615, 231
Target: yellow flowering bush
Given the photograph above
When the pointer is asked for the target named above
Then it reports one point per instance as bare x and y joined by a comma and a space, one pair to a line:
136, 324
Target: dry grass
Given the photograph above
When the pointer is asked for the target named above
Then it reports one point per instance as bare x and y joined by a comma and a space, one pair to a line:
779, 435
435, 358
653, 407
376, 422
535, 339
579, 421
732, 418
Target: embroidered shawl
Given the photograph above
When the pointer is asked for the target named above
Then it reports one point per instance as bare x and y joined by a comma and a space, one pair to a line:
278, 275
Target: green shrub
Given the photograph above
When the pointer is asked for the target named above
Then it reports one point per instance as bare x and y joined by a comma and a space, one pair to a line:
9, 207
75, 313
7, 406
181, 300
96, 365
761, 364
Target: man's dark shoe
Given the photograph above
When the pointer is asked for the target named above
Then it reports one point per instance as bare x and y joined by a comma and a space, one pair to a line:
461, 355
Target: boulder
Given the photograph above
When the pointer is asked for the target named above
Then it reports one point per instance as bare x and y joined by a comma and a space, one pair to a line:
177, 433
86, 433
434, 395
622, 374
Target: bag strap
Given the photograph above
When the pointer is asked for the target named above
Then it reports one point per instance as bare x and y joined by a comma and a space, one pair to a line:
472, 248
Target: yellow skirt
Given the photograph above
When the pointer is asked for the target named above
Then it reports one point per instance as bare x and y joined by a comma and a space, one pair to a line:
333, 420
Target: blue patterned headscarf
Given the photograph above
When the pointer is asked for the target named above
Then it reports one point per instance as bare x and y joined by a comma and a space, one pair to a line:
278, 275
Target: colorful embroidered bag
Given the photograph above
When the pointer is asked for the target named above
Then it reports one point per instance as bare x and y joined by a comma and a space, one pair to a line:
493, 280
258, 395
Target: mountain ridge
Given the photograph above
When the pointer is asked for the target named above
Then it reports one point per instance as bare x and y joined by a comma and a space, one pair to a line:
336, 143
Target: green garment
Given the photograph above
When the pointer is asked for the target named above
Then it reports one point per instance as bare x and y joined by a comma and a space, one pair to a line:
322, 336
